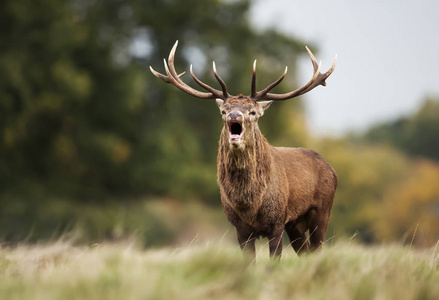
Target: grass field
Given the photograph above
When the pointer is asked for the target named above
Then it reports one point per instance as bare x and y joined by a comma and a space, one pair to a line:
123, 271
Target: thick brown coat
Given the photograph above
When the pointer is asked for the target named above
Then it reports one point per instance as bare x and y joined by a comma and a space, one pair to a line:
266, 190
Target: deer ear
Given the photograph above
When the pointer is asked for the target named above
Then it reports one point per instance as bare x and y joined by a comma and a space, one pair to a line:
219, 102
263, 105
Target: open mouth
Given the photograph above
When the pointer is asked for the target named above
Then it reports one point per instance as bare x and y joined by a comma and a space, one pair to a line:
235, 131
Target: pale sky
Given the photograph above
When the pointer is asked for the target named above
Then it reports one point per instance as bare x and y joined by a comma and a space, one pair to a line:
387, 50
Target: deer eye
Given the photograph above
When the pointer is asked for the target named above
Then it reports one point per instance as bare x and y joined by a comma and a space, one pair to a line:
223, 112
253, 113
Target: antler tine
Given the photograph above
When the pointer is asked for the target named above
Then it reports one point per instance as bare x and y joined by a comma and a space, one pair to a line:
218, 94
313, 59
183, 86
317, 79
171, 59
221, 82
173, 78
253, 92
215, 93
321, 78
329, 72
202, 84
261, 94
164, 77
315, 65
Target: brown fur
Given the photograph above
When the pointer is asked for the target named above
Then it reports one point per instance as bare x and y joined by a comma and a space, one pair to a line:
266, 190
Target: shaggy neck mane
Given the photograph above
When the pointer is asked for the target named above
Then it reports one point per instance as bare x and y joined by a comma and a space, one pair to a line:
255, 152
244, 174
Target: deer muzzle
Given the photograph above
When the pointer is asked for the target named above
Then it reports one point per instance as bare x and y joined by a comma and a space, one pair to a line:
236, 128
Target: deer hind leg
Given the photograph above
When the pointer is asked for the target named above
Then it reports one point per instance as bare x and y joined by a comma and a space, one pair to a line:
298, 240
317, 229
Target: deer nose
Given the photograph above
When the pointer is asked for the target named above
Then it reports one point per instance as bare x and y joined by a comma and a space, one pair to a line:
235, 116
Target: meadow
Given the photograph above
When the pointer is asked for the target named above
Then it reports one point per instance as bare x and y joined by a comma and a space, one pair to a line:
344, 270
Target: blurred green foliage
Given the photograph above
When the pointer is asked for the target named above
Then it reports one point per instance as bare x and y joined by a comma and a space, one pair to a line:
411, 207
88, 136
416, 135
389, 180
82, 115
82, 118
365, 173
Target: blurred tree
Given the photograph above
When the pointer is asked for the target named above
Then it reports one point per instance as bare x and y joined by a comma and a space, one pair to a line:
68, 110
416, 135
365, 173
411, 207
81, 115
373, 169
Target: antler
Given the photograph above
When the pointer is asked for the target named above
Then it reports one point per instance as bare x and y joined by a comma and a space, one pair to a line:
317, 79
174, 78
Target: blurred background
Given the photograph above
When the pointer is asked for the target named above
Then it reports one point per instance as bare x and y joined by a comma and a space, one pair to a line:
93, 145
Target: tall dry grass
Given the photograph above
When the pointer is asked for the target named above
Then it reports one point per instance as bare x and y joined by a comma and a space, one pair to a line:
123, 271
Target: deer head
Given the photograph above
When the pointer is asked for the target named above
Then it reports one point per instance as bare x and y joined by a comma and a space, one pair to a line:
240, 113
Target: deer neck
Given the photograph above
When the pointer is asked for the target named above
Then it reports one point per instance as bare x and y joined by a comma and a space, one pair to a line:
243, 175
247, 159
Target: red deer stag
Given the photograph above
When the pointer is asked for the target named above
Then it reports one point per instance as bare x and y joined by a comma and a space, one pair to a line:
264, 189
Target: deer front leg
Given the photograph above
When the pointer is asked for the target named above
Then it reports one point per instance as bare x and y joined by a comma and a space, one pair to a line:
247, 244
275, 244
